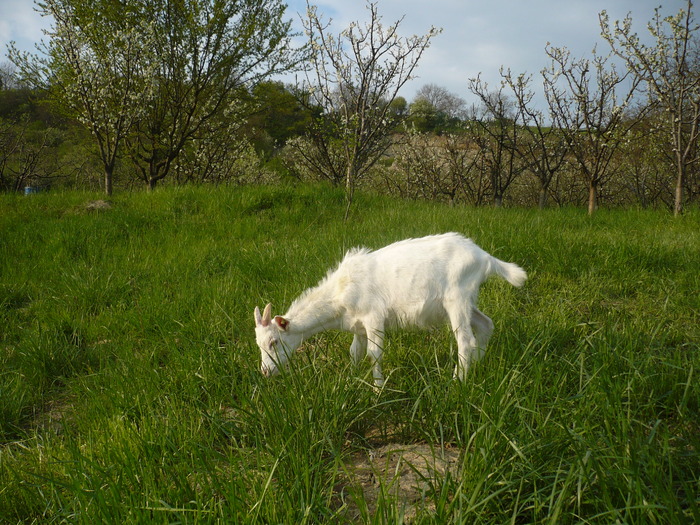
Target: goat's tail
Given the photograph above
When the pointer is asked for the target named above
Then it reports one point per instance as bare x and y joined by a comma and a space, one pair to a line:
511, 272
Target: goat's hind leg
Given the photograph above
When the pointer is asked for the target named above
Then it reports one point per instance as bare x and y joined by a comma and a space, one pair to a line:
482, 326
467, 347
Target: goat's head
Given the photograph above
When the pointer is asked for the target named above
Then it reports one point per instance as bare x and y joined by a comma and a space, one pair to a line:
275, 341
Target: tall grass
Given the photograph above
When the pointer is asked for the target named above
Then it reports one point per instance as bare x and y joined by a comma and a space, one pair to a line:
130, 389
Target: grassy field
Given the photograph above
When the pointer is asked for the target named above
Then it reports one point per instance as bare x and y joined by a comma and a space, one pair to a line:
130, 389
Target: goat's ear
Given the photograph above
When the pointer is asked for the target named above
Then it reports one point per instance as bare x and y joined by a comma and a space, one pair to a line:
265, 318
282, 323
267, 315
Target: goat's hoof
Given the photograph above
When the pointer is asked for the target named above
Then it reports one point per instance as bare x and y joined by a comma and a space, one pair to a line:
459, 374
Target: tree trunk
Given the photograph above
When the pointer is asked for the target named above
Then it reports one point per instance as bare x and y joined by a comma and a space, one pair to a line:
108, 180
349, 190
678, 197
592, 198
543, 198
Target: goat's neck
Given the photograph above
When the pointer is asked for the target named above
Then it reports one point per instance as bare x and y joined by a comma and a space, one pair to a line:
313, 312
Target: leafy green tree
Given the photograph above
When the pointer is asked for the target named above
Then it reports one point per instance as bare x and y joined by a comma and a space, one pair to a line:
209, 53
398, 107
423, 116
278, 117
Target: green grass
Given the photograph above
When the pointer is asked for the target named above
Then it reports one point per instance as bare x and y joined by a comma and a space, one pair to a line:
130, 389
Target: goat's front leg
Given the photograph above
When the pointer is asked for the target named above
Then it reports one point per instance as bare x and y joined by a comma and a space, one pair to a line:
375, 348
358, 348
467, 351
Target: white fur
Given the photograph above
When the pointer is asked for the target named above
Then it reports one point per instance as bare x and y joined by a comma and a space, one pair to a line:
415, 282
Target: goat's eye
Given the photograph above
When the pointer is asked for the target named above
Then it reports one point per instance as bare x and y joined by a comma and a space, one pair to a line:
273, 342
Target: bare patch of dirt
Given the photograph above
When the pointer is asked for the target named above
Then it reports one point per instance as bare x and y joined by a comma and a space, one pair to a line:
53, 417
98, 205
404, 473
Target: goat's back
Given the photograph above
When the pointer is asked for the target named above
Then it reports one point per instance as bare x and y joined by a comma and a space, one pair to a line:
409, 281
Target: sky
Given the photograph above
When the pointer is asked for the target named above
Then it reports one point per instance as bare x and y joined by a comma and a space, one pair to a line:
478, 36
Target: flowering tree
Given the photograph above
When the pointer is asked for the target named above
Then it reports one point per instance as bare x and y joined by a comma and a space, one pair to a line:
499, 137
150, 76
98, 68
671, 78
586, 107
546, 148
354, 78
441, 167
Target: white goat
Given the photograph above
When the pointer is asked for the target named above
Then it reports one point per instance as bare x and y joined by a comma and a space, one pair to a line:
415, 282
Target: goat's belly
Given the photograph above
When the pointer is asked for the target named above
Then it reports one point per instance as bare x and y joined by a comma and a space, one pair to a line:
419, 314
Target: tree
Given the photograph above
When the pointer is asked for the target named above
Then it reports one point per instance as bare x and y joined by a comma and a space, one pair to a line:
153, 74
398, 107
354, 78
8, 76
440, 167
27, 154
210, 53
278, 117
586, 108
423, 116
644, 158
434, 108
671, 79
97, 67
545, 151
452, 106
499, 136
